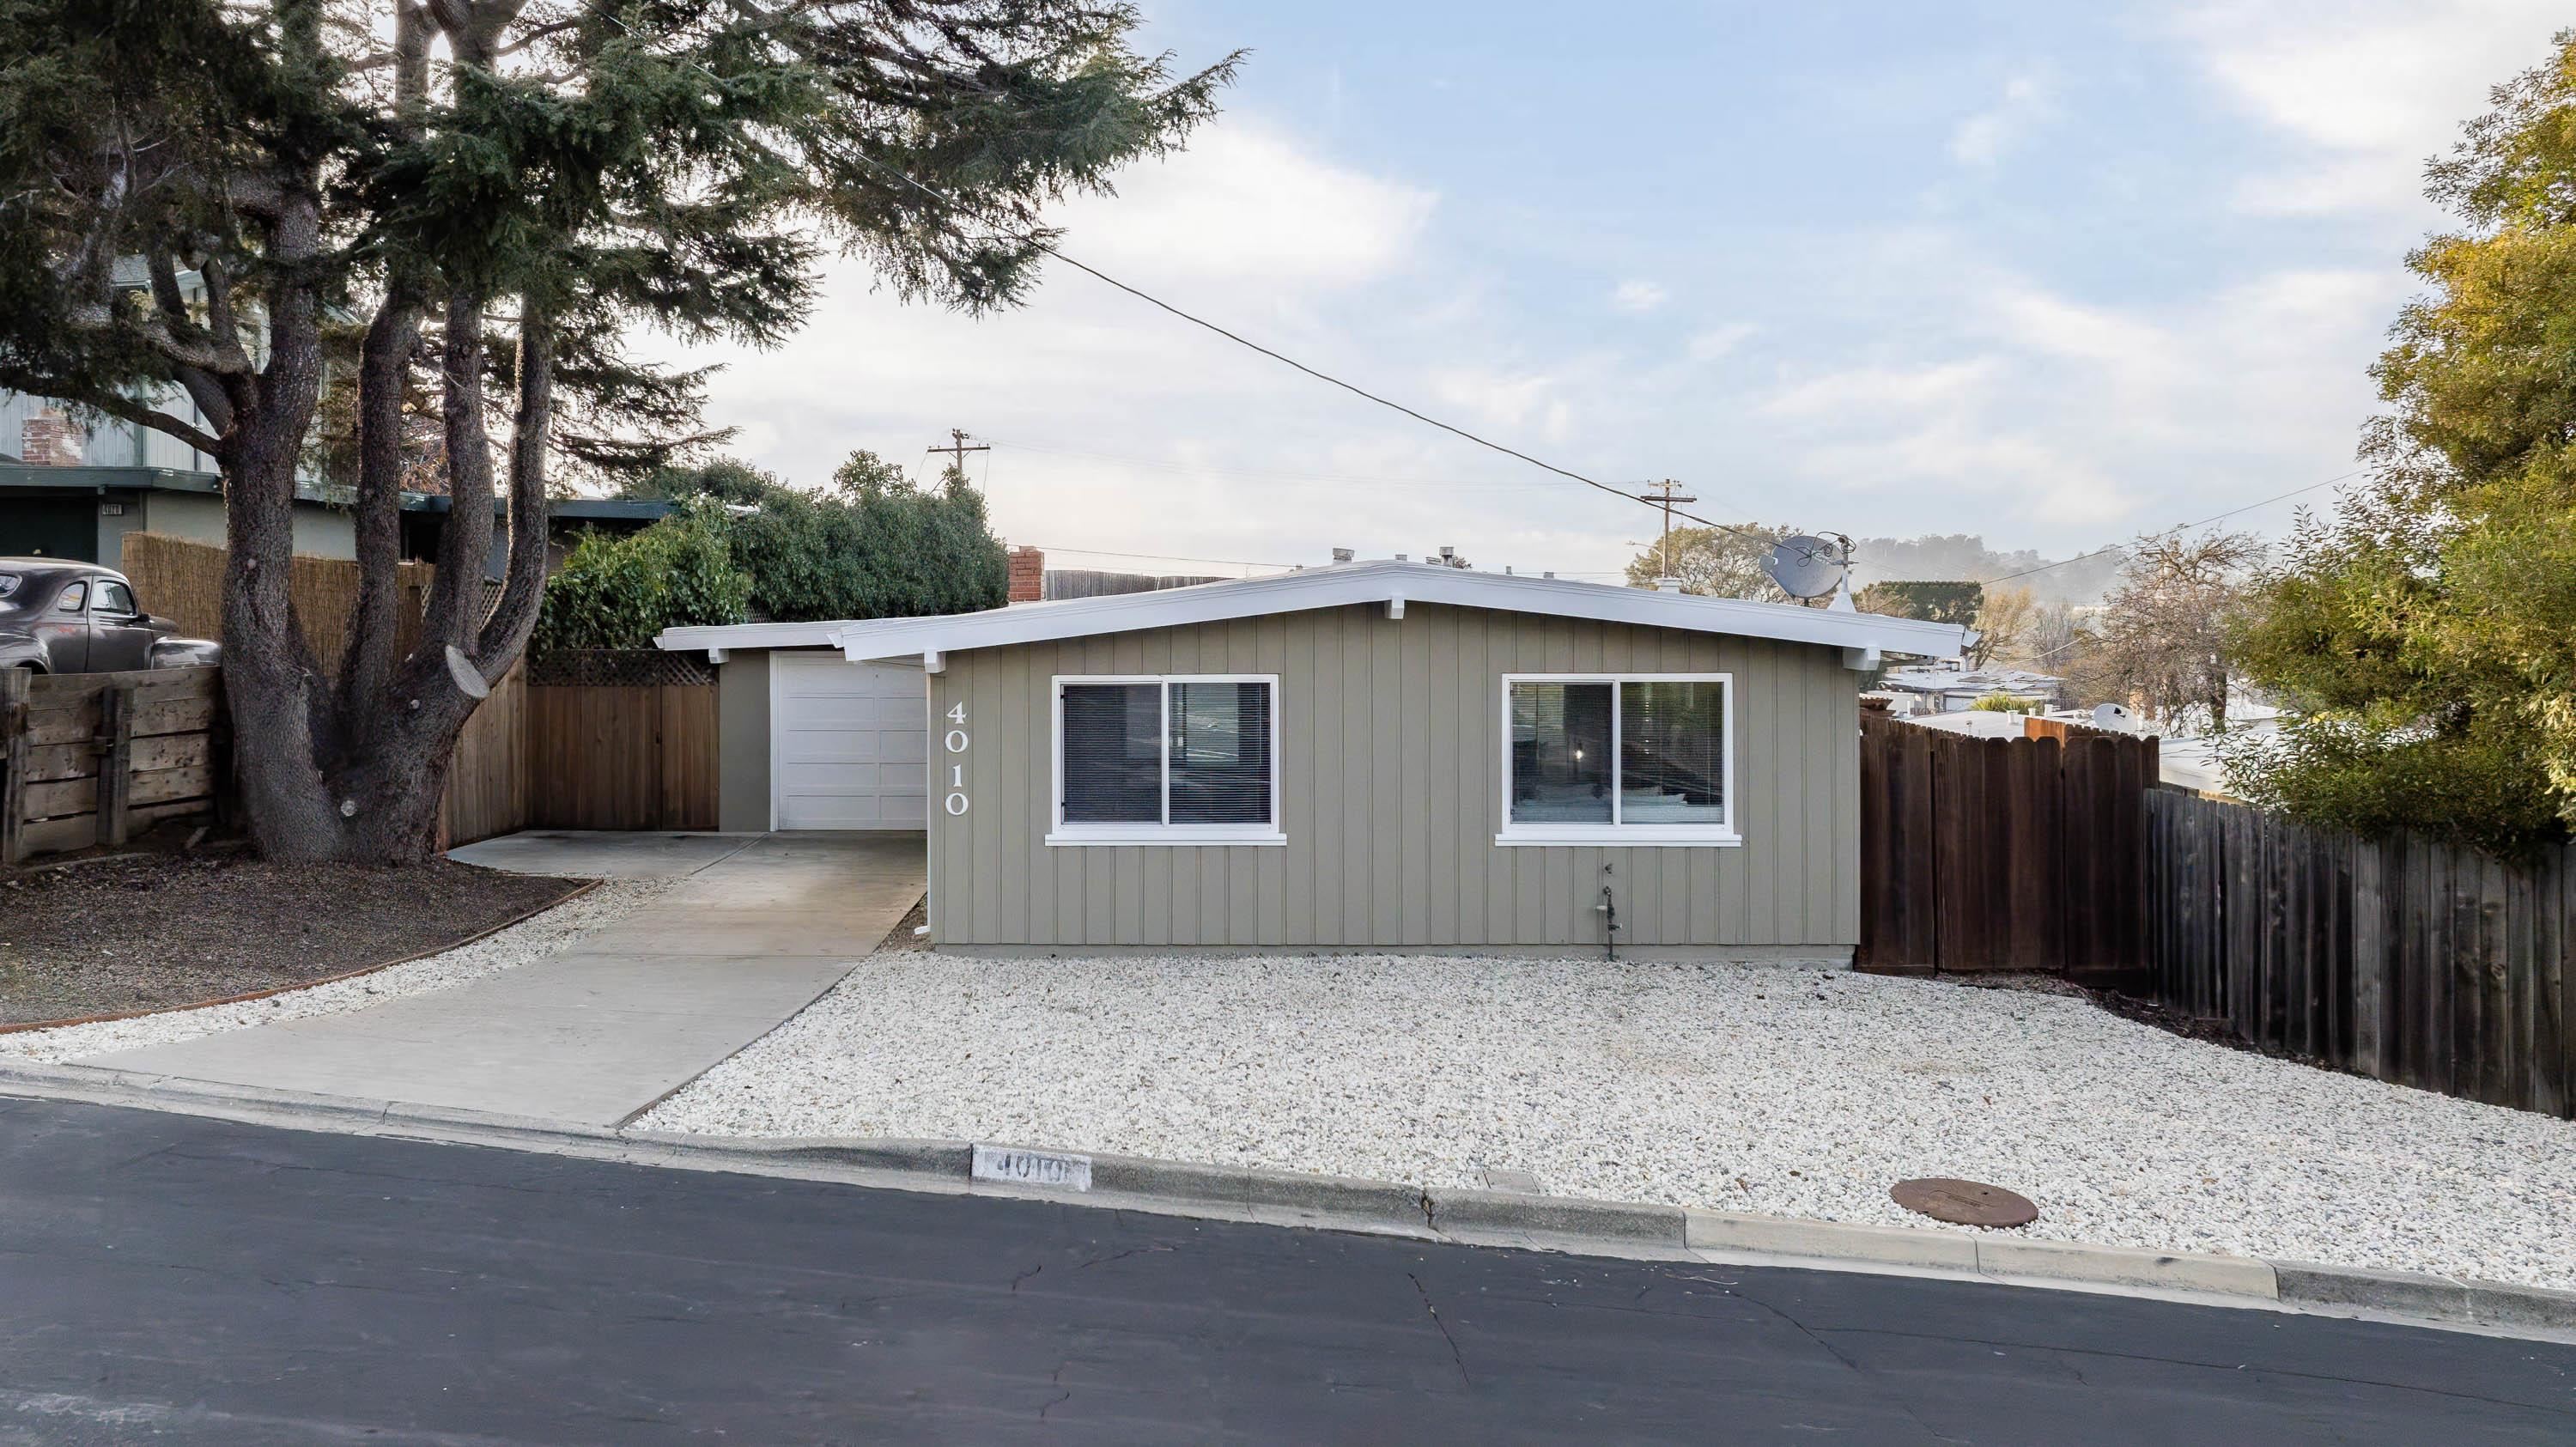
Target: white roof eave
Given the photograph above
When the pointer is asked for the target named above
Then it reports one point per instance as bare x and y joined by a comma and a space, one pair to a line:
1385, 583
750, 636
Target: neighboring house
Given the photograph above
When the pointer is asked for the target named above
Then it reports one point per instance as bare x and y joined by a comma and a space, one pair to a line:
1948, 688
81, 513
1371, 755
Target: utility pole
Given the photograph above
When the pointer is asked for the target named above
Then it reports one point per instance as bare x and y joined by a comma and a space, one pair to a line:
958, 447
1667, 493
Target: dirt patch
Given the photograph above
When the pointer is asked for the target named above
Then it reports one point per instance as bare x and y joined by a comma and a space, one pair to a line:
2132, 1007
901, 937
145, 932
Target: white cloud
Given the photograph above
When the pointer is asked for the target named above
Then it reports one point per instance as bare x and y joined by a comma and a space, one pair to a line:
1872, 390
2367, 88
1717, 342
1982, 139
1637, 297
1247, 204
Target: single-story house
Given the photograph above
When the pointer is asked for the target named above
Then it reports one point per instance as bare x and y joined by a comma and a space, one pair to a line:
1372, 755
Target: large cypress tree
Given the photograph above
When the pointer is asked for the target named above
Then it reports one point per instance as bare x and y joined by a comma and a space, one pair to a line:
195, 193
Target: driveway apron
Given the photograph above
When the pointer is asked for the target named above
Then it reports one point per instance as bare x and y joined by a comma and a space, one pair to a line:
598, 1033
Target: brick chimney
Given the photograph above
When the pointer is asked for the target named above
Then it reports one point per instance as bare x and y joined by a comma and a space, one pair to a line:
48, 439
1028, 575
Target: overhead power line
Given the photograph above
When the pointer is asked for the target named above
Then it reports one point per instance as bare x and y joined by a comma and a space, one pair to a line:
1050, 249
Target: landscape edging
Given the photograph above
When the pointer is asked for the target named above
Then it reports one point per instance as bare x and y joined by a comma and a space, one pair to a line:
22, 1027
1547, 1222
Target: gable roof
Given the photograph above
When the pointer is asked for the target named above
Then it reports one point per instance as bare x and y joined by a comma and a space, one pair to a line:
1379, 582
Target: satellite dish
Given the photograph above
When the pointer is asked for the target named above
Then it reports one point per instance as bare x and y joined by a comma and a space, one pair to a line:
1804, 567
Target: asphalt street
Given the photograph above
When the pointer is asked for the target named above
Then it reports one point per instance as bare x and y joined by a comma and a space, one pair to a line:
170, 1278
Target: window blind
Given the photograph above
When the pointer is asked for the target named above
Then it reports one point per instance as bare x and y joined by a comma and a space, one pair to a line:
1672, 752
1113, 753
1561, 753
1220, 753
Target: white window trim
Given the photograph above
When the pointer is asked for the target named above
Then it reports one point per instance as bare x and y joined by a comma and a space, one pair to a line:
1616, 835
1060, 833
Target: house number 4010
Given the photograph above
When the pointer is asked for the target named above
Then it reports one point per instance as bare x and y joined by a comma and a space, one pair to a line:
955, 803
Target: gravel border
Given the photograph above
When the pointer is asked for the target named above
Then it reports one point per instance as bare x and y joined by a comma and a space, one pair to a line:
1747, 1088
531, 939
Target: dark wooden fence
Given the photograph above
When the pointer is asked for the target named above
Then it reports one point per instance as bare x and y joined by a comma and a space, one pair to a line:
2002, 854
2401, 959
97, 758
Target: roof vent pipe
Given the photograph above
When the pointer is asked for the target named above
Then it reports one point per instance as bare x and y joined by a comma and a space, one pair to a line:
1343, 555
1401, 558
1668, 585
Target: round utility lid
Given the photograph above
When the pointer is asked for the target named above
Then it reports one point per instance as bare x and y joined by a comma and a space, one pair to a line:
1964, 1203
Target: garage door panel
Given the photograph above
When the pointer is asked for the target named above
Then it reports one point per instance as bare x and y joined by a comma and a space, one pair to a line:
849, 745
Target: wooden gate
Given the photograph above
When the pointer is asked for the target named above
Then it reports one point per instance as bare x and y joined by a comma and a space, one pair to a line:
2002, 854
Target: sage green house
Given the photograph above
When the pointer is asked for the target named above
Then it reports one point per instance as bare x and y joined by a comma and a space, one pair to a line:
1394, 756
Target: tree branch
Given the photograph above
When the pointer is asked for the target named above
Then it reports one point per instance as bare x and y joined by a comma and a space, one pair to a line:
506, 632
455, 599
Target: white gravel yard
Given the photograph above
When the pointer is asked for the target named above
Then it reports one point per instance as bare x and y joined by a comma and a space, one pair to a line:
520, 944
1738, 1087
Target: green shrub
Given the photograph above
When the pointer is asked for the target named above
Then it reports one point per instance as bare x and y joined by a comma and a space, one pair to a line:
617, 592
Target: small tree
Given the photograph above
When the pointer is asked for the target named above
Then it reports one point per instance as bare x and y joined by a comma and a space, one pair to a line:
2163, 637
617, 592
494, 194
1931, 602
1713, 562
2007, 620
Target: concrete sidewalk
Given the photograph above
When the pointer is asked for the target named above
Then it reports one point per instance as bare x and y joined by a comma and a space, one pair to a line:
751, 933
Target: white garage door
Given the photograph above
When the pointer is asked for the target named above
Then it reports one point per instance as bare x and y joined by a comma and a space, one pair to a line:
848, 744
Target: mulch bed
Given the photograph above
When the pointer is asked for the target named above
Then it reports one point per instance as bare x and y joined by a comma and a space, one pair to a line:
147, 932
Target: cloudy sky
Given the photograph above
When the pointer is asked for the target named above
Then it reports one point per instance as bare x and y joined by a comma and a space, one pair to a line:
2051, 273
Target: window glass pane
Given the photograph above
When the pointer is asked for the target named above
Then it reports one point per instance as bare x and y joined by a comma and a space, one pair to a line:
1561, 753
73, 598
1220, 753
1113, 753
1672, 753
112, 598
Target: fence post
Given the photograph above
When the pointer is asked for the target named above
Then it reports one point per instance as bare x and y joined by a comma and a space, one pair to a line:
14, 685
115, 748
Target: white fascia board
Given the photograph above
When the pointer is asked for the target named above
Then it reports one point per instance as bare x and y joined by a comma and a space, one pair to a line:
1384, 583
748, 636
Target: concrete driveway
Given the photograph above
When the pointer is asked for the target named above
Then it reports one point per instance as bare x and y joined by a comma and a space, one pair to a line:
754, 928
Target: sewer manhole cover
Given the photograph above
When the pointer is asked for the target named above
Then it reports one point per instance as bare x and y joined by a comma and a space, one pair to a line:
1964, 1203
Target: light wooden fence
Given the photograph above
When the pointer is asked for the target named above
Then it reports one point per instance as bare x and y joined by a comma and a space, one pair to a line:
184, 582
621, 740
2398, 958
97, 758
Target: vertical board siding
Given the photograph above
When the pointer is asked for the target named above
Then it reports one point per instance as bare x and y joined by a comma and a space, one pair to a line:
1390, 765
2399, 958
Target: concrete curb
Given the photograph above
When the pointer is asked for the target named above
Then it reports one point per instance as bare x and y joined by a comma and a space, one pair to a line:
1604, 1228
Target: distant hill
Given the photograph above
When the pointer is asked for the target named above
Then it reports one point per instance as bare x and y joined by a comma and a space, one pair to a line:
1964, 557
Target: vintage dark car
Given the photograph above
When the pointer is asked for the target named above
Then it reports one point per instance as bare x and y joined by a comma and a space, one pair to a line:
58, 617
